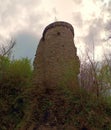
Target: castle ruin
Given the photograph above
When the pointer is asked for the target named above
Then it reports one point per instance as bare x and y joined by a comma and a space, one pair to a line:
56, 62
56, 65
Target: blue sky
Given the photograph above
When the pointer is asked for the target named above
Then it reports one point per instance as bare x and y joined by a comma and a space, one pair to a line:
25, 21
26, 45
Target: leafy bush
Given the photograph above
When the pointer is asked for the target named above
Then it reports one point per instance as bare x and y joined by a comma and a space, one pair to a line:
15, 77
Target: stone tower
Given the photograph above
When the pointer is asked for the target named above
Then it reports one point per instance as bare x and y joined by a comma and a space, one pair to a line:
56, 62
56, 65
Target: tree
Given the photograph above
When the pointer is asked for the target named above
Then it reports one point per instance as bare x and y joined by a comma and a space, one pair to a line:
6, 50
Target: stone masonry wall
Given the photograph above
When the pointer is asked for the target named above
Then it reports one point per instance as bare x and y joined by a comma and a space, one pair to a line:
56, 61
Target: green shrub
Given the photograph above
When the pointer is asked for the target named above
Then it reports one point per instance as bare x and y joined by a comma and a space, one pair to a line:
15, 77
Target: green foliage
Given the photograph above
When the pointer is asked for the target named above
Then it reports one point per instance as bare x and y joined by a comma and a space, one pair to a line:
104, 78
59, 107
96, 76
79, 108
15, 77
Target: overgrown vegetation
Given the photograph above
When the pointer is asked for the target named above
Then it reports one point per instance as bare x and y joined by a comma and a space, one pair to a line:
85, 108
96, 76
15, 77
63, 108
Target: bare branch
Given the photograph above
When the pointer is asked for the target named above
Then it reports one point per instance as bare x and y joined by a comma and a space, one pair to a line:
6, 50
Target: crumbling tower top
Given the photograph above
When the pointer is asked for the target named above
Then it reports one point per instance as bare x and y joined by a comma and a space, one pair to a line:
58, 23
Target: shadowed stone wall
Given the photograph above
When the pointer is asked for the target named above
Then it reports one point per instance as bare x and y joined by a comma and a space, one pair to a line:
56, 62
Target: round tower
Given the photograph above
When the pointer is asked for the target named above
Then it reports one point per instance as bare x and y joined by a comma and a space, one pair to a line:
56, 62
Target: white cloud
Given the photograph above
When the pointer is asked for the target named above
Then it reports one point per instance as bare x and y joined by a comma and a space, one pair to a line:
90, 18
16, 15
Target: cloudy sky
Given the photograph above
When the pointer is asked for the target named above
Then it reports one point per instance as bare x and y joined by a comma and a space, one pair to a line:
25, 21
